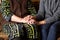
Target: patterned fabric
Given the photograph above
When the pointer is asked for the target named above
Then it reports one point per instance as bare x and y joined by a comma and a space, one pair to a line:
31, 8
16, 30
13, 29
5, 9
6, 12
31, 31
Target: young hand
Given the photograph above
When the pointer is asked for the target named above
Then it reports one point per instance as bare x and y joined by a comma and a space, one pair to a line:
42, 22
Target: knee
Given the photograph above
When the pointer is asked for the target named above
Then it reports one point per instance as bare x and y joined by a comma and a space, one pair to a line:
54, 26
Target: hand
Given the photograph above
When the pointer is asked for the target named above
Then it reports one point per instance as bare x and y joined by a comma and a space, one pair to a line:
28, 17
31, 21
42, 22
24, 21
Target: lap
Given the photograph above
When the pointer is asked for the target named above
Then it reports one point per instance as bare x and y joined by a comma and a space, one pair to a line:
18, 29
55, 24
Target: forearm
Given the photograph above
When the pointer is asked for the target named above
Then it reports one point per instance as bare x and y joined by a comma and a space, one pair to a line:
15, 18
41, 11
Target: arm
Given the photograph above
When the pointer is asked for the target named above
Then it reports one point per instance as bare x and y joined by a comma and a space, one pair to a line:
54, 18
41, 11
7, 14
40, 14
18, 19
32, 10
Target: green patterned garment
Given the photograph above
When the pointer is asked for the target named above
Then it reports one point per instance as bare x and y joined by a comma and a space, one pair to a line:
16, 30
12, 29
6, 12
5, 9
31, 8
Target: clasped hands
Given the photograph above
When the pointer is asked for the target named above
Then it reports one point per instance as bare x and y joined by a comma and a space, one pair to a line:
30, 20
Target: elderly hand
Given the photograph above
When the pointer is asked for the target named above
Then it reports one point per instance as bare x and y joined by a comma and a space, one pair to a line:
32, 21
28, 17
29, 20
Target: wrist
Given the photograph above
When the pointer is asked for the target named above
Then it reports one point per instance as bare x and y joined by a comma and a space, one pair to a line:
42, 22
21, 19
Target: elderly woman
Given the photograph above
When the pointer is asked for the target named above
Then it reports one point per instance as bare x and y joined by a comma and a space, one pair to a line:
17, 11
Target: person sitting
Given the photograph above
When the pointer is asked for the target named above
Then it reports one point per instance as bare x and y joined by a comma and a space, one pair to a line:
48, 18
17, 11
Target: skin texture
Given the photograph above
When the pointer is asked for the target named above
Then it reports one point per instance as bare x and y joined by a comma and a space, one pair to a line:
9, 16
33, 21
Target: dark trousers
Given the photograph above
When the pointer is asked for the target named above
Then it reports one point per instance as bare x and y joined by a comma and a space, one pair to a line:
48, 31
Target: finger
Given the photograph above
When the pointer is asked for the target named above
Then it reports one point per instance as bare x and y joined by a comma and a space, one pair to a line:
31, 22
30, 16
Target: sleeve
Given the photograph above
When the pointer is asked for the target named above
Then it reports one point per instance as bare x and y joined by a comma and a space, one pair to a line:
5, 10
55, 17
31, 8
41, 10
